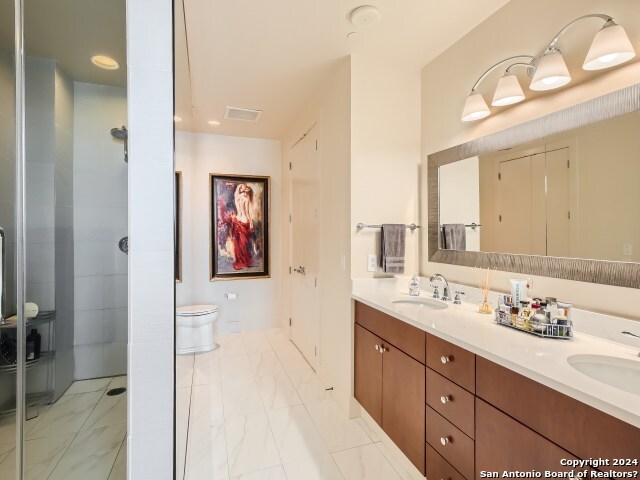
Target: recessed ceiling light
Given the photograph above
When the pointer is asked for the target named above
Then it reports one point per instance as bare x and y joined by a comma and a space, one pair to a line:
214, 123
365, 16
105, 62
177, 118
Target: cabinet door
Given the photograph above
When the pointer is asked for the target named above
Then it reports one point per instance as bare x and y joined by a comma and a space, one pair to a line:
368, 372
502, 444
403, 403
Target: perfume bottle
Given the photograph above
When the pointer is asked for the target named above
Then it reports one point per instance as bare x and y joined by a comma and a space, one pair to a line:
414, 286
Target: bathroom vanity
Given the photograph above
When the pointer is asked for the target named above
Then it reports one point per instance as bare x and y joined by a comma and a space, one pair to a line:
461, 396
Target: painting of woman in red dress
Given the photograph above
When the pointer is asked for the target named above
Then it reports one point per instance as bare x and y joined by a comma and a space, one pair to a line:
240, 219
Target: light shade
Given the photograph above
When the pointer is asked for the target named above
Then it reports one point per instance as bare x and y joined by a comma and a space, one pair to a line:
551, 72
508, 91
610, 47
475, 108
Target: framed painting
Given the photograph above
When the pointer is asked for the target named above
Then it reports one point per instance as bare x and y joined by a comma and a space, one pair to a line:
239, 247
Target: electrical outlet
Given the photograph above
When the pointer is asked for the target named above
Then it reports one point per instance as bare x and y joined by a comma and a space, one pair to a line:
372, 262
627, 249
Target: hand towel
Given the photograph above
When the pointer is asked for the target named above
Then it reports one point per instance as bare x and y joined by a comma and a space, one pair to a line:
392, 243
455, 236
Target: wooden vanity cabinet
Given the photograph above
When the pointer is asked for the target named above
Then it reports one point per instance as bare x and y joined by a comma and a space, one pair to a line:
389, 382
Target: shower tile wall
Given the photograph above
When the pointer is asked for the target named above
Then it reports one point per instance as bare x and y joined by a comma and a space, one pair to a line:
99, 220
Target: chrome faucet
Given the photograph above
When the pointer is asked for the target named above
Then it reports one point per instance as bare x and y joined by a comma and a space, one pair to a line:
629, 334
445, 292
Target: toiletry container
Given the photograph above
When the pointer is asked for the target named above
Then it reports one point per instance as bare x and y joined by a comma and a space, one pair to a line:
194, 328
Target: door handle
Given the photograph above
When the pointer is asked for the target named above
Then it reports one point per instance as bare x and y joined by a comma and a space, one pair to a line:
300, 270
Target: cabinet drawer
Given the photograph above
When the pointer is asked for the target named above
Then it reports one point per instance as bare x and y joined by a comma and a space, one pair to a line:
403, 336
455, 363
450, 442
439, 469
584, 431
451, 401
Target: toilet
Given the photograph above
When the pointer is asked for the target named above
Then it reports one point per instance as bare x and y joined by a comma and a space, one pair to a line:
194, 329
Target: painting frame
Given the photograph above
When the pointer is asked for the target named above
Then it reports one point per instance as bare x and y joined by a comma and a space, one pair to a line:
221, 266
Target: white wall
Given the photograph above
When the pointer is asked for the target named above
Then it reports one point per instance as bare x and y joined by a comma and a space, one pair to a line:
331, 109
385, 153
100, 220
258, 300
446, 82
151, 250
460, 197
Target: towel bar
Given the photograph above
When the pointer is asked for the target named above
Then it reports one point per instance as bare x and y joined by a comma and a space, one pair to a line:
362, 226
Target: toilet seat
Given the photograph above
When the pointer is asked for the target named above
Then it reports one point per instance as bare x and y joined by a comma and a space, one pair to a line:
196, 310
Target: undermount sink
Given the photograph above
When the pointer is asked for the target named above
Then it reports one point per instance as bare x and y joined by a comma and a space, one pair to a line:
616, 372
423, 303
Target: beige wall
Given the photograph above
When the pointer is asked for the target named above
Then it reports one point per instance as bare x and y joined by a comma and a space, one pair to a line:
331, 109
385, 153
447, 80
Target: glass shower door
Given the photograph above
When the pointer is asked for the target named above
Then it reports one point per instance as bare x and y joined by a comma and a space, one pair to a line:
9, 457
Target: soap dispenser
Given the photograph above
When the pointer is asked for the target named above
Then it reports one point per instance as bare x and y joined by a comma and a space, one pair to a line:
414, 286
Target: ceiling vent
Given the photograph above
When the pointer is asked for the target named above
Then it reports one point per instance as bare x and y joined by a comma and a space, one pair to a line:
245, 114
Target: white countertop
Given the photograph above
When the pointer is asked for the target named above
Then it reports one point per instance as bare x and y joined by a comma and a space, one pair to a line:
541, 359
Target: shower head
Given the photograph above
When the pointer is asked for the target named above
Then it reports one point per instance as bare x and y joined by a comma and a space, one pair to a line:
122, 134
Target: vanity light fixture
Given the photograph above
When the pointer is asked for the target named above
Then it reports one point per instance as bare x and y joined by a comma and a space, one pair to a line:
610, 47
177, 118
213, 123
105, 62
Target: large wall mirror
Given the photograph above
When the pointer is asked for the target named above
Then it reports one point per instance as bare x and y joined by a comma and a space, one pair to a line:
556, 196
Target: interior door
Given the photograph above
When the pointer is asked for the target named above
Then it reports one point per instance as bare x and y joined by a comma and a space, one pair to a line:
305, 246
514, 218
558, 203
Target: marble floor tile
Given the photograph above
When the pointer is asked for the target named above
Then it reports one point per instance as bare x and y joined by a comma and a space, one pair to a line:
206, 372
256, 342
368, 430
317, 468
233, 368
31, 424
41, 456
265, 363
85, 386
67, 415
119, 470
5, 454
184, 370
295, 434
397, 464
241, 397
338, 431
7, 434
308, 386
118, 382
206, 404
231, 345
206, 452
183, 405
110, 410
365, 463
91, 455
293, 361
205, 358
250, 444
278, 339
274, 473
277, 392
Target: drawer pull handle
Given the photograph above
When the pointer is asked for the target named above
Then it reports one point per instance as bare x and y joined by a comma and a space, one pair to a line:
445, 399
445, 359
444, 440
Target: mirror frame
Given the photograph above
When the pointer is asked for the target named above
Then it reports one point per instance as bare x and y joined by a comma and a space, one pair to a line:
621, 274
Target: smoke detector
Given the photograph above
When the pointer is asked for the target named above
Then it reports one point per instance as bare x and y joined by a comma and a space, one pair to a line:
244, 114
365, 16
